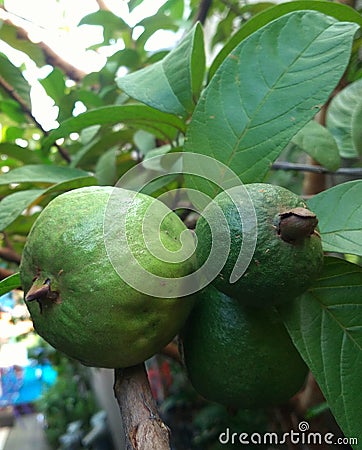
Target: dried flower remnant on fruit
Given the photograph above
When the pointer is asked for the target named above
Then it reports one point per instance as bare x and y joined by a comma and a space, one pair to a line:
296, 224
41, 291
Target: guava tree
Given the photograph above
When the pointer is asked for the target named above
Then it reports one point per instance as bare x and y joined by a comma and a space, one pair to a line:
285, 83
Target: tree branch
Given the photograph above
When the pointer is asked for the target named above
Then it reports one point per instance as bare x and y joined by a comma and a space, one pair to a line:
143, 428
14, 95
202, 11
50, 56
283, 165
4, 273
10, 255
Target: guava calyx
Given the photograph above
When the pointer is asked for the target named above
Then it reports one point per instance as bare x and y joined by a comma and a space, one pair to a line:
296, 224
41, 291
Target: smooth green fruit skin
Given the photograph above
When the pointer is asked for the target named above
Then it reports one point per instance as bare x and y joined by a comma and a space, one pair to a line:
239, 356
101, 321
279, 271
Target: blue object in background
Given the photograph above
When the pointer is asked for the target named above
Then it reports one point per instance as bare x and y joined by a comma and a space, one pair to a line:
7, 302
27, 388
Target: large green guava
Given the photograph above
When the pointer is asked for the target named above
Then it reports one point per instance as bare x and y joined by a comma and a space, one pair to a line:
77, 300
239, 356
288, 255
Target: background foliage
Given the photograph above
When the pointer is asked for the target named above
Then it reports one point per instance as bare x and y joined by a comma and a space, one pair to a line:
234, 88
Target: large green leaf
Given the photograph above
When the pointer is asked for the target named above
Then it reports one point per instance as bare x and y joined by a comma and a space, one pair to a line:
14, 204
340, 119
161, 124
339, 210
326, 326
172, 84
9, 283
267, 90
12, 80
336, 10
319, 143
41, 173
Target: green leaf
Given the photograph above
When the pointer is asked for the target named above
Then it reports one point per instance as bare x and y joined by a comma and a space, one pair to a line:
319, 143
170, 85
356, 127
106, 170
325, 325
153, 24
9, 283
112, 24
54, 85
14, 204
21, 154
267, 90
144, 141
339, 211
132, 4
164, 126
12, 80
336, 10
92, 149
340, 119
41, 173
10, 34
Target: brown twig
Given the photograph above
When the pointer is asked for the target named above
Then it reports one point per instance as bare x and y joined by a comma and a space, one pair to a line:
143, 428
10, 255
4, 273
203, 10
102, 6
50, 56
24, 106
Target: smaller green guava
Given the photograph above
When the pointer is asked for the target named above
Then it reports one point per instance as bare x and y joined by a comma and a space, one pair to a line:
288, 256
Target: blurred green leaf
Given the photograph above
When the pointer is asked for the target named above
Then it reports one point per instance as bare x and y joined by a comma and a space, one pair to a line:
14, 204
21, 154
54, 84
132, 4
112, 24
105, 170
12, 80
325, 325
10, 34
9, 283
101, 142
319, 143
171, 84
35, 173
144, 141
340, 119
337, 10
267, 90
153, 24
357, 128
138, 116
339, 211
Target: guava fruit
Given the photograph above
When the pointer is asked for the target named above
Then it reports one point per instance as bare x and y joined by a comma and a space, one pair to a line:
288, 255
77, 300
239, 356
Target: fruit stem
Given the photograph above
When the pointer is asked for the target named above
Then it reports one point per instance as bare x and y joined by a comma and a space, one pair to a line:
142, 425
